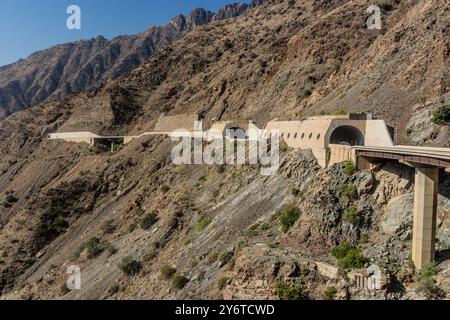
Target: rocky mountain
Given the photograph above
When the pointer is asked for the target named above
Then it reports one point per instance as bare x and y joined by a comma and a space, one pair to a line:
140, 227
74, 67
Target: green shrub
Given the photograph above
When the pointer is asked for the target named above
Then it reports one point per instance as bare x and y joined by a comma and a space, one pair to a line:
49, 229
341, 250
442, 116
349, 167
180, 281
288, 216
426, 282
350, 191
447, 81
133, 226
353, 260
329, 293
295, 191
202, 179
265, 226
202, 224
290, 292
409, 131
93, 247
130, 266
306, 93
185, 202
148, 221
168, 271
223, 282
348, 257
351, 215
428, 271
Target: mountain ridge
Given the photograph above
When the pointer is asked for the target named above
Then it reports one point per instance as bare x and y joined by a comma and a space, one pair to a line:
69, 68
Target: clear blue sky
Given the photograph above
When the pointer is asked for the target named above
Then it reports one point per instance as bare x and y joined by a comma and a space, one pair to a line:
27, 26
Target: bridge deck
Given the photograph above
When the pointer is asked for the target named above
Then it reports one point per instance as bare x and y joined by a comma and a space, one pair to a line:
439, 157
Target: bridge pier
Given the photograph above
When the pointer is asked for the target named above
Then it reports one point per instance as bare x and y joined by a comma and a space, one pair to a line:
425, 215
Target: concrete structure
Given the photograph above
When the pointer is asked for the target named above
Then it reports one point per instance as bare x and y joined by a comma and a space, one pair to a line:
330, 137
233, 130
425, 215
166, 125
77, 137
427, 162
169, 124
363, 279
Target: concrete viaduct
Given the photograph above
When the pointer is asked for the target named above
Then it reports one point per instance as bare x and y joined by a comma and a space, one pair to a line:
427, 163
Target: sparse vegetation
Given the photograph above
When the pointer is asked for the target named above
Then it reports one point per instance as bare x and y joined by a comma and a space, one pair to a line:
64, 289
213, 256
133, 226
10, 200
48, 230
108, 227
426, 282
348, 257
185, 202
409, 131
428, 271
286, 292
180, 281
202, 224
113, 289
291, 3
295, 191
226, 257
447, 81
329, 293
149, 220
349, 168
350, 191
223, 282
442, 115
351, 215
306, 93
165, 189
130, 266
93, 247
288, 216
202, 179
168, 271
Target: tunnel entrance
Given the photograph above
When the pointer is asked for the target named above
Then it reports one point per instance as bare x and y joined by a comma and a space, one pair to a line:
107, 143
347, 135
236, 133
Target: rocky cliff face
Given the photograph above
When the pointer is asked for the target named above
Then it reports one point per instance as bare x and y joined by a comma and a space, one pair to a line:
74, 67
228, 230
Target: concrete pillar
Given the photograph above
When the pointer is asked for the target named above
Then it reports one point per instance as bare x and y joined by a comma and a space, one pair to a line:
362, 163
425, 214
